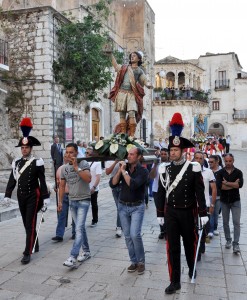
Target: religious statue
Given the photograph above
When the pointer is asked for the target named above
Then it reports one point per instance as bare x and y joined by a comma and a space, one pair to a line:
128, 93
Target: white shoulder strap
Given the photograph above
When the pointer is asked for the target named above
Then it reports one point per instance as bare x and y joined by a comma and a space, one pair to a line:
177, 179
27, 164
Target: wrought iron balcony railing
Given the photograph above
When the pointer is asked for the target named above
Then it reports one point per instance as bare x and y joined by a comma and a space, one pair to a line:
240, 114
222, 84
176, 94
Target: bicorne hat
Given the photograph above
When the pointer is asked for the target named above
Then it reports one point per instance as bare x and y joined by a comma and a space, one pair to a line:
175, 140
27, 140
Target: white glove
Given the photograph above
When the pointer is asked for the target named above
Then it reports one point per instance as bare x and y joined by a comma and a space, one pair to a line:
6, 201
161, 221
204, 220
47, 201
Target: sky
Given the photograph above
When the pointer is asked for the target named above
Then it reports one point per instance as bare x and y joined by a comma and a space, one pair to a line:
186, 29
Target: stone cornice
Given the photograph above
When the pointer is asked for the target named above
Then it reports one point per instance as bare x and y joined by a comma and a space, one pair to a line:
36, 9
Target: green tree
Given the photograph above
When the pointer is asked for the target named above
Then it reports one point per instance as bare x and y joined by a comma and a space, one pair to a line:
83, 67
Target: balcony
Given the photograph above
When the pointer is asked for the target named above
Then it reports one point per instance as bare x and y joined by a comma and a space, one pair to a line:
4, 55
222, 85
240, 114
176, 94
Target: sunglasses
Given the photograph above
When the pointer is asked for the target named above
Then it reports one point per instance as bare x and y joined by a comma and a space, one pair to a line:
210, 161
87, 152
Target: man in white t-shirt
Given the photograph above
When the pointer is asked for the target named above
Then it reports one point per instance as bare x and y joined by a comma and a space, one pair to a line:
208, 179
96, 171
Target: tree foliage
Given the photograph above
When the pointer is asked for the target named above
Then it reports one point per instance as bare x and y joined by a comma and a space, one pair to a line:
83, 67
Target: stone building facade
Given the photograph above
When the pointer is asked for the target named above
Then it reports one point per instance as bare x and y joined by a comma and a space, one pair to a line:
32, 50
218, 76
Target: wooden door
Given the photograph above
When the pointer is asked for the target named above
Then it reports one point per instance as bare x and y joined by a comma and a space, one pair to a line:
95, 123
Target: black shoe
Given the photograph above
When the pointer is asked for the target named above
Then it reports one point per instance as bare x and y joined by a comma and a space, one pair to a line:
199, 257
161, 235
57, 239
26, 259
191, 273
202, 248
173, 287
73, 236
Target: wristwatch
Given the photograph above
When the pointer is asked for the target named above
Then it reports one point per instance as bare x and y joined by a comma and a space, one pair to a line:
211, 205
79, 170
125, 173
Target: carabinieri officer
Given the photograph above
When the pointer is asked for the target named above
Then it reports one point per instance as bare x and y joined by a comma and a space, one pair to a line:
28, 173
180, 198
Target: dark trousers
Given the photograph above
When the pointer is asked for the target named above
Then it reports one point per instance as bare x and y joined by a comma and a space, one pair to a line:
227, 148
94, 204
205, 232
29, 204
180, 222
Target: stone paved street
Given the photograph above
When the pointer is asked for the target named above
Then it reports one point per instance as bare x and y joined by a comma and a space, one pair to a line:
220, 274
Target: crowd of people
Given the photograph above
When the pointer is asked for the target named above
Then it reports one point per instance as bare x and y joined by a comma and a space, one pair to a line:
190, 186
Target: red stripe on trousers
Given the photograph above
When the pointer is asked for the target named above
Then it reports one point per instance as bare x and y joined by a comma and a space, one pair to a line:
168, 260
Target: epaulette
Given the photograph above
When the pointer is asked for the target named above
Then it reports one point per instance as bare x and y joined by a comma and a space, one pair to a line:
14, 162
39, 162
196, 167
163, 166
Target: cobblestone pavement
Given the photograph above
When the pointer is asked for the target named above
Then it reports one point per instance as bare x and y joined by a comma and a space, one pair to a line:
220, 273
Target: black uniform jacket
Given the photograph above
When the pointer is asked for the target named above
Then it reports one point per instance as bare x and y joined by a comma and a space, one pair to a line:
187, 194
32, 178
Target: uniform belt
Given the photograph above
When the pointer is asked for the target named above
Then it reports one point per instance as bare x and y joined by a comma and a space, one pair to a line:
136, 203
67, 194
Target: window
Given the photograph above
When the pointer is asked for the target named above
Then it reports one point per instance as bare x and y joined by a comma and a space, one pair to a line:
216, 105
222, 78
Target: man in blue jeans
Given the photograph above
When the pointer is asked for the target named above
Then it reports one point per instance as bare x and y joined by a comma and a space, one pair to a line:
78, 178
63, 215
133, 177
230, 180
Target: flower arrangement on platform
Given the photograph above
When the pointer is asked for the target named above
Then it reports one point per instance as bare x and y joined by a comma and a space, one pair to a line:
118, 145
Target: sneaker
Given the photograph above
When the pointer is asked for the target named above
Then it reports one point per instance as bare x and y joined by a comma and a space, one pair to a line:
228, 245
118, 232
210, 235
84, 256
70, 262
173, 287
216, 232
236, 248
93, 224
132, 268
140, 268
